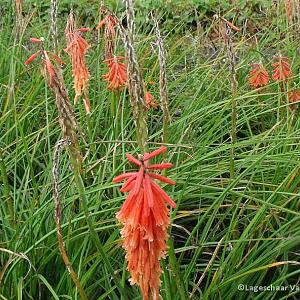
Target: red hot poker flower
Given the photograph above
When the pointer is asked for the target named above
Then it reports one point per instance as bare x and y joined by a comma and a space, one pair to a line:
293, 97
258, 76
150, 101
77, 48
145, 217
117, 73
282, 68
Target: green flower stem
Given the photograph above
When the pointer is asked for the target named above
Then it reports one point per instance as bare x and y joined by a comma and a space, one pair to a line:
95, 238
233, 136
6, 190
175, 270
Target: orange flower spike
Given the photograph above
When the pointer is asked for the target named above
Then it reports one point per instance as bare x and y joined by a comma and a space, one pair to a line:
150, 101
145, 219
117, 73
282, 68
258, 76
77, 49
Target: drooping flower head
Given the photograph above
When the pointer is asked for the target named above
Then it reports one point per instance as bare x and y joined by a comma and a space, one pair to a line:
117, 73
293, 97
109, 23
47, 58
258, 76
77, 48
282, 68
145, 217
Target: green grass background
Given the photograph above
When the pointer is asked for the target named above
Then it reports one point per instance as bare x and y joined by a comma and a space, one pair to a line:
252, 241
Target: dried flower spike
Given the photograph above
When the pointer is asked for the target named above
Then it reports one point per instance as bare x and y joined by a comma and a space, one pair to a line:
55, 81
117, 73
282, 68
77, 48
258, 76
109, 23
145, 217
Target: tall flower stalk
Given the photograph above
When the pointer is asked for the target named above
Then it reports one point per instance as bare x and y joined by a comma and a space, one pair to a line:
164, 100
117, 76
19, 19
135, 81
233, 229
58, 213
54, 8
7, 189
144, 215
234, 84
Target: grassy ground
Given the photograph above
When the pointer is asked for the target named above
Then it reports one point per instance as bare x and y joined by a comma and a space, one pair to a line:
225, 232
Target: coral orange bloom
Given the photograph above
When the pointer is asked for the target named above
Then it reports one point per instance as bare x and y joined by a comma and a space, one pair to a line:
117, 73
150, 101
77, 48
293, 97
258, 76
282, 68
145, 217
